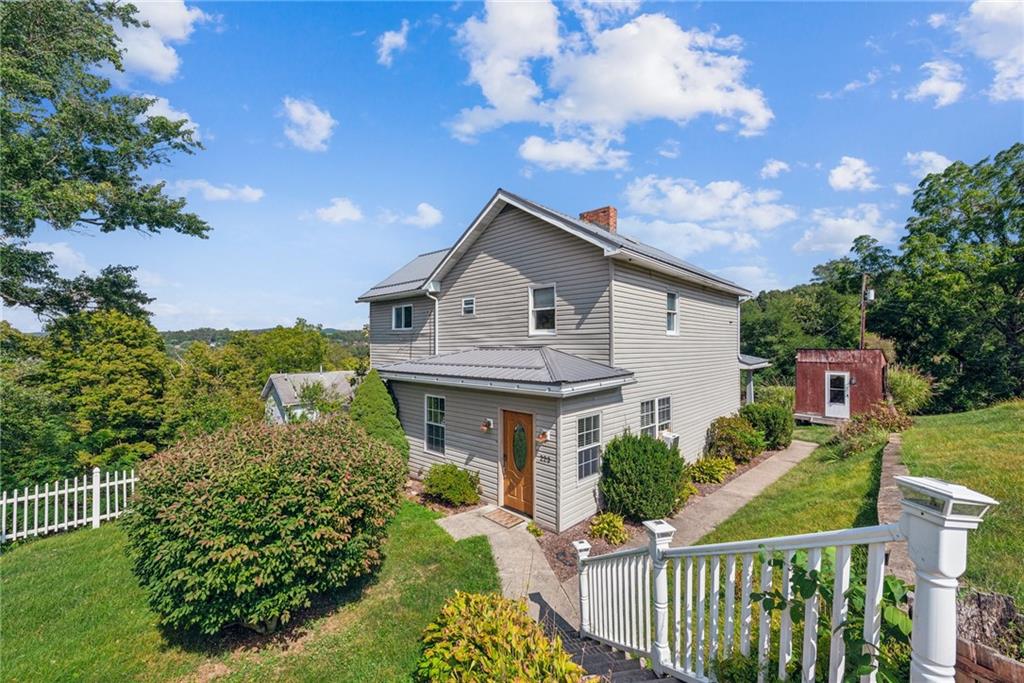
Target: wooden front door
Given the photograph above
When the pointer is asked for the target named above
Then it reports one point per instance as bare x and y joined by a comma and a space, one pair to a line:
517, 461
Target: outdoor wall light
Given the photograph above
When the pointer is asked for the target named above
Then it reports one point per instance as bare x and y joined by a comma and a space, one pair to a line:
487, 425
951, 501
542, 437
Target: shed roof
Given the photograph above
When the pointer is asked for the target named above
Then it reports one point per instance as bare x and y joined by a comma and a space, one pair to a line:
863, 356
288, 385
748, 362
527, 369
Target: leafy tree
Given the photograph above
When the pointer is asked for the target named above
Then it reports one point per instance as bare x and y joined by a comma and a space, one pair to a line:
72, 153
109, 370
300, 348
374, 411
209, 389
319, 401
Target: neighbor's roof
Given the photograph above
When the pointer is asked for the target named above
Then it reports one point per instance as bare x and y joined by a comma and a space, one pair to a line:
748, 362
408, 278
415, 276
527, 369
288, 385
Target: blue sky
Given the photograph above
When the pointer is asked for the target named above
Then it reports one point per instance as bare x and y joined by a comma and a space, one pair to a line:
753, 139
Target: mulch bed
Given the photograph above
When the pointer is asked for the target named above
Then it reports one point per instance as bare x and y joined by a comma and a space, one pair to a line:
414, 492
562, 556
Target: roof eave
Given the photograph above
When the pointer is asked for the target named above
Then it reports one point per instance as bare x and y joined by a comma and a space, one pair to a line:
559, 390
631, 256
405, 294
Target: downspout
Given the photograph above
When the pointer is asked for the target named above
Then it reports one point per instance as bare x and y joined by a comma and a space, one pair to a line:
436, 321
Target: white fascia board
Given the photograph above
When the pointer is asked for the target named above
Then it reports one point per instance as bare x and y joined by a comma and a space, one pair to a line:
551, 390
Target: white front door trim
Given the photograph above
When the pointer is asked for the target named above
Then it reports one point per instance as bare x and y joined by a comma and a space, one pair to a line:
837, 410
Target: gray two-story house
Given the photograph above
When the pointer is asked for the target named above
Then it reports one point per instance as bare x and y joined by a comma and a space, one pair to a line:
524, 348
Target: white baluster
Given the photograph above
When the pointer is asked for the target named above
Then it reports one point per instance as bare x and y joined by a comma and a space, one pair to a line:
106, 494
786, 620
837, 647
35, 514
647, 576
633, 602
14, 516
701, 587
67, 500
811, 620
3, 517
872, 604
746, 579
677, 567
713, 625
730, 605
24, 513
765, 620
95, 497
688, 635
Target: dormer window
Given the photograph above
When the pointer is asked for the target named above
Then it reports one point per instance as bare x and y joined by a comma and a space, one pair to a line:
401, 317
542, 309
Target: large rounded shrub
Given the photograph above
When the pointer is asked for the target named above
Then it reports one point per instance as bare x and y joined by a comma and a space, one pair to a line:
734, 437
248, 524
641, 477
774, 421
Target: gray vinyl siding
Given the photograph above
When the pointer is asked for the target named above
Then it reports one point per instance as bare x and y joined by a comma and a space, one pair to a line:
471, 449
580, 496
518, 250
696, 368
390, 346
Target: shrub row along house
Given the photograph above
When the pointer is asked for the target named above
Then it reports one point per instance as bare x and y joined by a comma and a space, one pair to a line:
537, 338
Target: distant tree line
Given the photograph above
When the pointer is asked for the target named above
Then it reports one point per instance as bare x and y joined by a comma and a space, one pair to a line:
949, 300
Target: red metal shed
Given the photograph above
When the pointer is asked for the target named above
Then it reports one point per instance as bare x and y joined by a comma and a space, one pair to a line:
834, 384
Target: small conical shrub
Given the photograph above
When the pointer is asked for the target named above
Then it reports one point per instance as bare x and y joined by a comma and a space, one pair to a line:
374, 411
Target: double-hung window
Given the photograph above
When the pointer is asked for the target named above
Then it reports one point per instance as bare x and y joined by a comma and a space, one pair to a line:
469, 306
542, 310
655, 416
588, 445
671, 313
401, 317
435, 430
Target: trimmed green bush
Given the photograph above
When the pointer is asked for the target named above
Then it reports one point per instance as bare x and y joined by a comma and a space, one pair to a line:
776, 395
610, 527
711, 470
734, 437
451, 484
246, 525
774, 421
911, 389
375, 412
640, 477
485, 637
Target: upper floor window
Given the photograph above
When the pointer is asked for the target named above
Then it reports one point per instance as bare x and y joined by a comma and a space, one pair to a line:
435, 425
542, 310
469, 306
588, 446
401, 317
672, 313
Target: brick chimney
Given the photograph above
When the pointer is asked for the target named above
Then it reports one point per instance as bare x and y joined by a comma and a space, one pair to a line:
607, 217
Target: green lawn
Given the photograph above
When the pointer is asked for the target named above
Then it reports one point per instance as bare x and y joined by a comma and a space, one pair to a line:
71, 609
983, 450
818, 434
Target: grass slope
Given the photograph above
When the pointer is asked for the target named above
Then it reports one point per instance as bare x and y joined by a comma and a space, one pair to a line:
72, 610
983, 450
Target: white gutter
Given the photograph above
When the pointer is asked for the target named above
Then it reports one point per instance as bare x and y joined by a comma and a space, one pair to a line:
553, 390
674, 271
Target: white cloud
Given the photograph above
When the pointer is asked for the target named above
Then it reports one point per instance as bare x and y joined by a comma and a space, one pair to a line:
722, 204
773, 167
683, 238
902, 189
426, 216
872, 77
600, 82
221, 193
852, 174
755, 278
994, 31
834, 230
340, 209
945, 83
309, 127
162, 107
594, 14
926, 162
937, 20
148, 50
391, 42
573, 154
69, 262
669, 149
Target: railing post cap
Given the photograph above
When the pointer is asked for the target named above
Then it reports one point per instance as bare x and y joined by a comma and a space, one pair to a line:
659, 530
942, 502
582, 548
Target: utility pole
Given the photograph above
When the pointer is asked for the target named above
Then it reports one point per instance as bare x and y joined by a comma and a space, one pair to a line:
863, 306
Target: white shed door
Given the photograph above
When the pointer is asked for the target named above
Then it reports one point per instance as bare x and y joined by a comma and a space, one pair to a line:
837, 394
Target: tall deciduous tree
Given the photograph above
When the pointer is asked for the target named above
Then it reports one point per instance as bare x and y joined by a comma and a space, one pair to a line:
299, 348
72, 153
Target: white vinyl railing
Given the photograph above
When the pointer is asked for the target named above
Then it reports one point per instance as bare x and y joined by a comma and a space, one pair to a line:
625, 596
65, 504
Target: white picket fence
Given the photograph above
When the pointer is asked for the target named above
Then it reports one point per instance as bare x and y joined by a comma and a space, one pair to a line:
63, 505
624, 596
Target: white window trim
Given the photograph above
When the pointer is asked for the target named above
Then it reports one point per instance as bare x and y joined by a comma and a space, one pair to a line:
554, 300
426, 421
412, 312
674, 332
599, 444
473, 300
657, 413
654, 417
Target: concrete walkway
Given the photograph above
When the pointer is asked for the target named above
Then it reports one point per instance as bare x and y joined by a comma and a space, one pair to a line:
522, 566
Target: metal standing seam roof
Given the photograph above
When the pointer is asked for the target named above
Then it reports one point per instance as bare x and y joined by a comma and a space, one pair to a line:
753, 362
288, 385
409, 277
520, 364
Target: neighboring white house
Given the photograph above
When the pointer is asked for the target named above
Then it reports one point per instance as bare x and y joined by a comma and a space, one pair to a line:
282, 392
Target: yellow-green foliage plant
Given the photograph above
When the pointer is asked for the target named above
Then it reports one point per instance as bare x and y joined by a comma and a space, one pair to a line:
485, 637
610, 527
